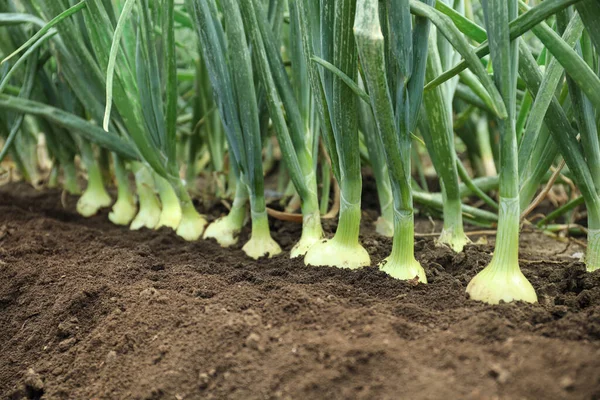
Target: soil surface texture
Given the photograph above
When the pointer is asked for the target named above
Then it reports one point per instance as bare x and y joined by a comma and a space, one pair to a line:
89, 310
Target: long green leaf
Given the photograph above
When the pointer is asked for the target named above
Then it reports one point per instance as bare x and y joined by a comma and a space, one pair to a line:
370, 43
7, 19
32, 50
560, 128
171, 84
214, 54
545, 95
466, 26
518, 27
345, 78
309, 26
245, 94
25, 93
589, 10
504, 55
112, 59
72, 122
576, 67
256, 22
438, 130
453, 35
39, 34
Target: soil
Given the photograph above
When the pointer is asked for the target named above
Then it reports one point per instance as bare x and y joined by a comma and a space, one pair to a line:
92, 310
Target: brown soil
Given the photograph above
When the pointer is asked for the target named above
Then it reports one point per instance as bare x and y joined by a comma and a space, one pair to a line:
91, 310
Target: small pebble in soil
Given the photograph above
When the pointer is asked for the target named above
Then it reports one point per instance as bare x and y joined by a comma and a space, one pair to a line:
157, 266
34, 385
204, 294
203, 380
111, 357
253, 341
66, 344
500, 374
149, 292
567, 383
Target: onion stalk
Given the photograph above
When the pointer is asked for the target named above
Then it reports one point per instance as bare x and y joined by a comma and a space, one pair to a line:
95, 196
125, 208
337, 109
401, 264
149, 211
236, 96
436, 128
502, 279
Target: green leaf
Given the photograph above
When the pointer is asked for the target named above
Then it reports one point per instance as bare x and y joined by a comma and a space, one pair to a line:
589, 10
347, 80
214, 53
560, 128
8, 19
89, 131
171, 84
39, 34
271, 69
112, 59
245, 94
25, 93
466, 26
31, 50
437, 127
552, 78
504, 56
310, 33
518, 27
370, 43
420, 37
575, 66
453, 35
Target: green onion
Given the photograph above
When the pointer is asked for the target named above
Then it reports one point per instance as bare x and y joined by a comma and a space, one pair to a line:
385, 223
149, 206
401, 264
295, 143
436, 127
95, 195
125, 208
502, 279
171, 213
237, 100
341, 128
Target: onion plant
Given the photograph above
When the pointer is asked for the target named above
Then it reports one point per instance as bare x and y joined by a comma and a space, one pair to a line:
326, 30
502, 279
296, 141
437, 130
95, 195
147, 100
407, 66
125, 208
229, 64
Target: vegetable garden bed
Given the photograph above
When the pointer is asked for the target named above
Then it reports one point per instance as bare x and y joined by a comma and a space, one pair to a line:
250, 199
92, 310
